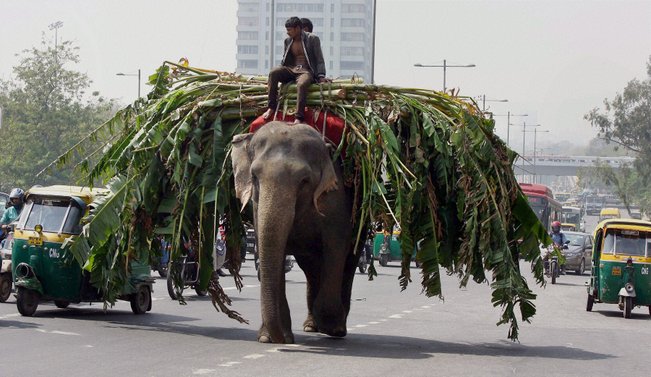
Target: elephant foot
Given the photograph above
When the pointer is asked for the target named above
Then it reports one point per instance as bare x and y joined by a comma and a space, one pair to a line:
309, 325
338, 332
265, 337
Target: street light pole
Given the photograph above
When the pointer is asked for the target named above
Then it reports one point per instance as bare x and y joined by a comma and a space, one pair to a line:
535, 132
132, 74
445, 68
484, 100
524, 134
508, 122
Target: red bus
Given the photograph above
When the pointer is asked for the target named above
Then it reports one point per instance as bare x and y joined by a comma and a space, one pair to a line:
541, 200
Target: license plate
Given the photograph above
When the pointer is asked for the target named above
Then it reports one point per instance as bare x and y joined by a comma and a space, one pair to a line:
249, 245
617, 271
36, 241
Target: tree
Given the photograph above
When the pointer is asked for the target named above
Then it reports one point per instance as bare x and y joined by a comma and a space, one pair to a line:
626, 122
46, 110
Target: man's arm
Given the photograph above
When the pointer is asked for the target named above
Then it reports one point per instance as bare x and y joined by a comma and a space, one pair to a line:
320, 67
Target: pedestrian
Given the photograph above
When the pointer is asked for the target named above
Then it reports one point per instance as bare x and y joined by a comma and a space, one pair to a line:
302, 62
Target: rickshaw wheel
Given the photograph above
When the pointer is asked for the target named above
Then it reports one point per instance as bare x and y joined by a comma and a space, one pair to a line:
628, 306
27, 301
141, 300
5, 287
170, 286
588, 307
201, 292
61, 304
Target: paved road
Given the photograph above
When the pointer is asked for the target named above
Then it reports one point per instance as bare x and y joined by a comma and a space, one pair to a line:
392, 333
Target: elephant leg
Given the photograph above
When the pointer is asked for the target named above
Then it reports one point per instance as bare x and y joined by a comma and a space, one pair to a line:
285, 317
310, 268
347, 285
328, 310
276, 321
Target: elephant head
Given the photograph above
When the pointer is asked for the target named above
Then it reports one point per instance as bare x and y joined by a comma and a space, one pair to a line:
286, 170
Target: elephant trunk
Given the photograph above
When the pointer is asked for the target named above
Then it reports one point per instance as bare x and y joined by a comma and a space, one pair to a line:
275, 216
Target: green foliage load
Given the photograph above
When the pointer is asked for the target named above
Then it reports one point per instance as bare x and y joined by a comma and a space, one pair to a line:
423, 159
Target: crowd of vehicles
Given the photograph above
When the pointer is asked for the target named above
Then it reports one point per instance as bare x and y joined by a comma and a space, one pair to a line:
40, 268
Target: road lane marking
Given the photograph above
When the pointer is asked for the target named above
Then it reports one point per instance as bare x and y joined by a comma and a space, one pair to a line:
407, 311
245, 286
58, 332
358, 326
374, 323
254, 356
230, 363
10, 315
396, 316
203, 371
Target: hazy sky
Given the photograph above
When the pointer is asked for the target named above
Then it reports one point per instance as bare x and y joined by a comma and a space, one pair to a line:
554, 60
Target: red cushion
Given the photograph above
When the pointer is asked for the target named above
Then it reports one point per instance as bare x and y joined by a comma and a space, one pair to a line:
334, 124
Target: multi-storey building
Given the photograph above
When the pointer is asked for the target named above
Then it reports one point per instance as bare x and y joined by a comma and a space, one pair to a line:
345, 27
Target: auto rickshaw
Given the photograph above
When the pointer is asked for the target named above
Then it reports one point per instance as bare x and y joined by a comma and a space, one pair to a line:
44, 269
621, 258
387, 248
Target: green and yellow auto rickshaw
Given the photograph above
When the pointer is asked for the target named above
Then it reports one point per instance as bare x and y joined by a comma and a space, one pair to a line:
621, 258
45, 270
387, 248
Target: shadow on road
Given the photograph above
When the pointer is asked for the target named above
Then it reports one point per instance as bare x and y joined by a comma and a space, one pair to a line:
640, 314
18, 324
397, 347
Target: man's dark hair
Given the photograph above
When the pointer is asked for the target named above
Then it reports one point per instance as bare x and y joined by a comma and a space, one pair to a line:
293, 22
307, 24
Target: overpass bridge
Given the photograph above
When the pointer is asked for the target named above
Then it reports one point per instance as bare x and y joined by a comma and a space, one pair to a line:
556, 165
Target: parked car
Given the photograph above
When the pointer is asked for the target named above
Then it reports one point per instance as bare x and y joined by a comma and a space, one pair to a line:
579, 251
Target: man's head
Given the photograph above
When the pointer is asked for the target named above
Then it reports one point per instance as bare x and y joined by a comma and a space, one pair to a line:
306, 24
16, 196
293, 26
556, 226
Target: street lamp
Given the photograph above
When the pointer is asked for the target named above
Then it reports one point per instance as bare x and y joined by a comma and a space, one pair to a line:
524, 134
445, 67
508, 116
484, 100
132, 74
55, 26
535, 132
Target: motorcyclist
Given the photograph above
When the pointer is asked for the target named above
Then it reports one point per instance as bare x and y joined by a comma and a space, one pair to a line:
559, 239
16, 198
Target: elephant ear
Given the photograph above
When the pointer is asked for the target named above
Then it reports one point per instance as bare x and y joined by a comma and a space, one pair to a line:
242, 167
328, 180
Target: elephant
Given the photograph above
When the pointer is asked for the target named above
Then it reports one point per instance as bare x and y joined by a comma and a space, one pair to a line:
301, 207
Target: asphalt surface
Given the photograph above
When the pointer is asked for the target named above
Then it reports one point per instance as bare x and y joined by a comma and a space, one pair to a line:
391, 333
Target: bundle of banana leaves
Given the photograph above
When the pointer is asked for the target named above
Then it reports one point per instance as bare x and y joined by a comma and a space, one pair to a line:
424, 160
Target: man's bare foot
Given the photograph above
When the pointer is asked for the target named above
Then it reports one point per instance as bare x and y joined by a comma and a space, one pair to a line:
267, 114
298, 121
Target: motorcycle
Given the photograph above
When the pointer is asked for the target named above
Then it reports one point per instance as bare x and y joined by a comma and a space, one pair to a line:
553, 263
